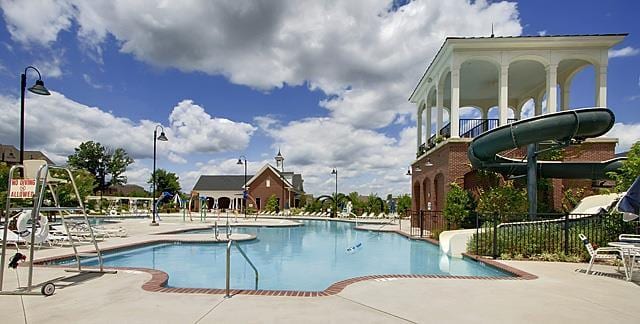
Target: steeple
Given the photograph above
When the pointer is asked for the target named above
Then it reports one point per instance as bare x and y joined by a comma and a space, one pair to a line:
279, 161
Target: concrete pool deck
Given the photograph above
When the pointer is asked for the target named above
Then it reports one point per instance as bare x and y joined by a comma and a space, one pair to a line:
561, 294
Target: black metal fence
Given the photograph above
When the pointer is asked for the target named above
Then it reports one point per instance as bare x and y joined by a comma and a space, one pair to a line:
427, 223
548, 233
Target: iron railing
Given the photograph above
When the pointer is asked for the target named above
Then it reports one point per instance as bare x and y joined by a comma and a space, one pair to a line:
549, 233
427, 223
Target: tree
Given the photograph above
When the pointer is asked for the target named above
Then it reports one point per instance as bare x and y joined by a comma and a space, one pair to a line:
630, 170
272, 203
118, 161
85, 182
101, 162
165, 181
374, 204
504, 201
404, 204
457, 207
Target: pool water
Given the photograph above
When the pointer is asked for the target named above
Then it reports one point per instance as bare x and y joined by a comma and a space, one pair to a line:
309, 257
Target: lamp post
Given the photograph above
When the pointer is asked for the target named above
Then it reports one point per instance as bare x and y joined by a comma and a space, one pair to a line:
335, 199
39, 89
163, 138
244, 191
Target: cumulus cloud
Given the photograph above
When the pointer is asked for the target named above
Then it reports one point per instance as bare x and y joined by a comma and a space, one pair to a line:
37, 21
623, 52
627, 134
365, 56
363, 157
57, 125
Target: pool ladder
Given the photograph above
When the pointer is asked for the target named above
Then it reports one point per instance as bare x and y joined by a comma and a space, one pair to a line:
234, 243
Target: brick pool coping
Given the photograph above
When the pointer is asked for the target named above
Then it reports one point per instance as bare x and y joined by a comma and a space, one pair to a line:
159, 278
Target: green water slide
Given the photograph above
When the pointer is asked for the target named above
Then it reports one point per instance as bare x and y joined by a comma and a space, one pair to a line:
560, 128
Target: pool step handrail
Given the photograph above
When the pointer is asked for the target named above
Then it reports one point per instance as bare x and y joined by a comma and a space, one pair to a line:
228, 274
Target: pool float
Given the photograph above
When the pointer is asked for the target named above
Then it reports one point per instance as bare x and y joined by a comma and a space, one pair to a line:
24, 228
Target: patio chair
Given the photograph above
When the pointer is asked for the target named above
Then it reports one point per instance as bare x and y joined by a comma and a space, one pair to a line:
13, 238
602, 253
635, 238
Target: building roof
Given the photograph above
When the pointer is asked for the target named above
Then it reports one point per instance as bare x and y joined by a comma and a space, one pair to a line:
609, 39
11, 155
220, 182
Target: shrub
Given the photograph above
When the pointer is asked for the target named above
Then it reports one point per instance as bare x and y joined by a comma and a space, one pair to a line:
505, 200
456, 210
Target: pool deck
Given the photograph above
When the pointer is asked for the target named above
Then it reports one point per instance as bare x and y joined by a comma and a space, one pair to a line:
561, 294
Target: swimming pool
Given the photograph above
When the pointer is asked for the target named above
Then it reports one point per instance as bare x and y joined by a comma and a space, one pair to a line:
309, 257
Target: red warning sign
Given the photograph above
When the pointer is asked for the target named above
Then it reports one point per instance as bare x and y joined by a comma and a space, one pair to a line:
22, 188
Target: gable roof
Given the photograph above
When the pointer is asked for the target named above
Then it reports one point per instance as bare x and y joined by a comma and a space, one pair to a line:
220, 182
274, 170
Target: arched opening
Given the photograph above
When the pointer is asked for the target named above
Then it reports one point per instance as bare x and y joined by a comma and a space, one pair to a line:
416, 196
472, 122
576, 76
439, 186
426, 186
210, 202
224, 202
527, 110
494, 113
478, 84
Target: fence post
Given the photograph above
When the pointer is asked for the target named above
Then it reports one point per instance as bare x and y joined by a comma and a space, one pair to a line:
420, 213
477, 233
566, 234
495, 237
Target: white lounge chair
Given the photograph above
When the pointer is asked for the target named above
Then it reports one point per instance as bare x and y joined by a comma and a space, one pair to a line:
603, 253
12, 238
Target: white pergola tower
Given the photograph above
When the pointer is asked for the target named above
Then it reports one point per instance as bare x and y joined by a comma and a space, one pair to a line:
504, 72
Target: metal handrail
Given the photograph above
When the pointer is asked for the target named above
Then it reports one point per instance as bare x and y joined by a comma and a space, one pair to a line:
232, 242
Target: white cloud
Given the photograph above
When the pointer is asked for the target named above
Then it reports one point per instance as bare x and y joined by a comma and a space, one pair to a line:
623, 52
364, 57
542, 33
196, 131
627, 134
92, 83
358, 52
363, 157
57, 125
36, 21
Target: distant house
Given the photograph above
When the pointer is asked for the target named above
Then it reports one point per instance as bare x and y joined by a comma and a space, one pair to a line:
227, 191
124, 190
11, 155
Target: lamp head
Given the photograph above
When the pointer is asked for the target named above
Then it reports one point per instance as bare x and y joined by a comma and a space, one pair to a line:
240, 161
408, 171
334, 171
39, 88
162, 137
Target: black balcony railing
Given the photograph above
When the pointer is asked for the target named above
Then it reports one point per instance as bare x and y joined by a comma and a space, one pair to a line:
468, 128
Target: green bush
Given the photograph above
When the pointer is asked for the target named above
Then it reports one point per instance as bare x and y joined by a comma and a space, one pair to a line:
538, 239
506, 200
457, 206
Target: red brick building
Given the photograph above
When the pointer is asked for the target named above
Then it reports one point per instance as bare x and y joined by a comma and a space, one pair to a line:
227, 191
511, 78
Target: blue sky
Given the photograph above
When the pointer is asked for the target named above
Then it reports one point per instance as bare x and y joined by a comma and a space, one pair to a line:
325, 82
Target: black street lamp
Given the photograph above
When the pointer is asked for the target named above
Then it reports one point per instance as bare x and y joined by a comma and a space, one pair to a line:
38, 89
244, 191
335, 171
163, 138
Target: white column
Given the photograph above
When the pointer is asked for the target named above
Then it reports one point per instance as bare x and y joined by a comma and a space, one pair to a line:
564, 95
454, 111
503, 94
537, 104
419, 128
601, 86
552, 90
439, 108
428, 123
484, 112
